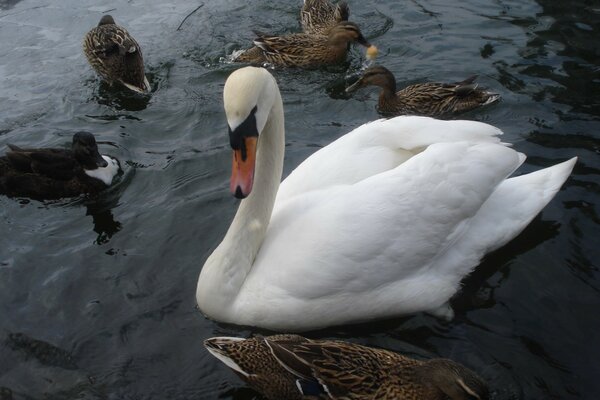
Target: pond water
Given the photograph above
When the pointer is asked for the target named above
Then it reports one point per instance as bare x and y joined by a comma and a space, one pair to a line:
97, 297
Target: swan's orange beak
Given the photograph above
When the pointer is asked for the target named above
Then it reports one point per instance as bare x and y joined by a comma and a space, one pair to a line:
242, 169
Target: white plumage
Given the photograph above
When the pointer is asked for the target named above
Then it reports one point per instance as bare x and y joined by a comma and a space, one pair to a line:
385, 221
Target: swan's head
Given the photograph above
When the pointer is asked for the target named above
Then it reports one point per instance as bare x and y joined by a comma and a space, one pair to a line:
249, 96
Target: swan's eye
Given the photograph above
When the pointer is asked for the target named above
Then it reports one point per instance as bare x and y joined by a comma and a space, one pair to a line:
246, 129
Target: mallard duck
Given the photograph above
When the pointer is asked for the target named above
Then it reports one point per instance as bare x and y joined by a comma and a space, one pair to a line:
385, 221
294, 368
115, 55
46, 174
319, 16
304, 50
430, 99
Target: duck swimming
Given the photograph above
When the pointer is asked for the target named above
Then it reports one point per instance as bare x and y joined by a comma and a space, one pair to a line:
432, 99
115, 55
319, 16
295, 368
305, 50
47, 174
385, 221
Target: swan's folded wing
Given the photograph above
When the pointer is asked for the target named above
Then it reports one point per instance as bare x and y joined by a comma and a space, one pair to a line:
376, 242
377, 147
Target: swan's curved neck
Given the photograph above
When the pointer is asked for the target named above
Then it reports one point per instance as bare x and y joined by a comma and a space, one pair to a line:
228, 266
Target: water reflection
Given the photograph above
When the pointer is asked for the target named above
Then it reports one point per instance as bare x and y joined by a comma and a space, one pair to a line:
105, 224
6, 5
478, 291
566, 52
45, 353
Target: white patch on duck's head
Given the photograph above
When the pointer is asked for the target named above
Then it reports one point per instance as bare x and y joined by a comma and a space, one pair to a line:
246, 89
105, 174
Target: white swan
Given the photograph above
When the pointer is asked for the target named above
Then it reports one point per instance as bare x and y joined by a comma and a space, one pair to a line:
384, 221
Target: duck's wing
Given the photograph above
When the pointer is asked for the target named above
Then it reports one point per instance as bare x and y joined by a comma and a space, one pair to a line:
331, 368
444, 99
251, 360
297, 44
318, 16
53, 163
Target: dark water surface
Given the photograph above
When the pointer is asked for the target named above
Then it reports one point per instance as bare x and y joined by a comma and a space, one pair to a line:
97, 297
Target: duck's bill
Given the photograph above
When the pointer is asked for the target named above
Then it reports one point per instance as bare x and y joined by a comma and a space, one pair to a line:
354, 87
146, 84
363, 41
242, 169
100, 161
140, 90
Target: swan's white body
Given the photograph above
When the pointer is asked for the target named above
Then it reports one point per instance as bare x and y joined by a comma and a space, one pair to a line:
384, 221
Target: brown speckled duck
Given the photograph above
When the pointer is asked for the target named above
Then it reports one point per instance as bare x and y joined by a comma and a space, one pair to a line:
304, 50
439, 100
49, 173
319, 16
115, 55
292, 367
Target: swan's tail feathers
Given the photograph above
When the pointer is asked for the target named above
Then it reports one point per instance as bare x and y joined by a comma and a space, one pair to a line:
515, 203
224, 349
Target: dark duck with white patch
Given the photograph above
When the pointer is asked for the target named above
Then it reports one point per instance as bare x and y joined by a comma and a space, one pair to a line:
431, 99
292, 367
47, 174
115, 55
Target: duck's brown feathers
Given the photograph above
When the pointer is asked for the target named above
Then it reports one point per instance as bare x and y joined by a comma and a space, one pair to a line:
115, 55
304, 50
433, 99
319, 16
295, 368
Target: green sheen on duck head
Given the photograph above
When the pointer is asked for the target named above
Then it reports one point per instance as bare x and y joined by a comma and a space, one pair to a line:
86, 152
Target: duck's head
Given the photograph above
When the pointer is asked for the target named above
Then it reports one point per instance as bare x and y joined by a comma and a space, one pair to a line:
248, 97
106, 20
346, 32
377, 76
454, 380
86, 153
